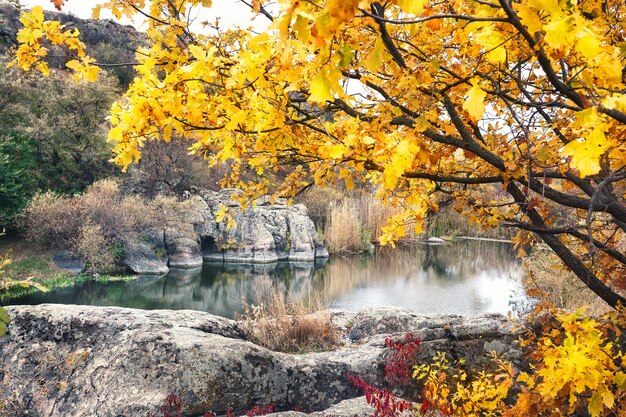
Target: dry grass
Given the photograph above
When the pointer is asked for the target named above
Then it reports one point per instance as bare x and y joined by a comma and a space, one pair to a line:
547, 278
353, 223
343, 227
295, 327
448, 222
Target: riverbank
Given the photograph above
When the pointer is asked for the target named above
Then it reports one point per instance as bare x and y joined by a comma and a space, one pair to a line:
32, 261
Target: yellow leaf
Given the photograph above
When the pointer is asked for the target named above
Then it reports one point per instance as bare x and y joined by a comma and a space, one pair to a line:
586, 153
198, 52
620, 380
337, 151
560, 34
412, 6
221, 213
320, 88
37, 13
550, 6
595, 405
374, 61
167, 133
74, 64
95, 12
474, 104
586, 118
529, 18
498, 55
588, 44
43, 67
237, 118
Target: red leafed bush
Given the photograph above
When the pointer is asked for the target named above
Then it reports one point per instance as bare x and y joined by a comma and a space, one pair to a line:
399, 365
384, 402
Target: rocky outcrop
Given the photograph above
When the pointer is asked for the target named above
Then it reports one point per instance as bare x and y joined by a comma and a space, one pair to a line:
265, 233
183, 250
62, 360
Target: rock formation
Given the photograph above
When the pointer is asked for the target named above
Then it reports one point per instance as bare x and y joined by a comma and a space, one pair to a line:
265, 233
61, 360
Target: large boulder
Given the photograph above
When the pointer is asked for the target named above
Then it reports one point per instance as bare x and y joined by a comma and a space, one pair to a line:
60, 360
142, 259
265, 232
68, 262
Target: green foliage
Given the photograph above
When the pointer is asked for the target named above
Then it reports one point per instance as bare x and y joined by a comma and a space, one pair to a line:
53, 136
29, 266
17, 180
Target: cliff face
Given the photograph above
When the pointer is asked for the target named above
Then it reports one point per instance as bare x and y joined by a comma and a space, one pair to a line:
109, 42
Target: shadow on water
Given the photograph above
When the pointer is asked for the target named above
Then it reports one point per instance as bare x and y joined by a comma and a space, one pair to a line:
464, 278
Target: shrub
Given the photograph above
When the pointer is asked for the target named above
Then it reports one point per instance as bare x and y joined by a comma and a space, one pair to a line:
55, 129
289, 327
92, 246
17, 180
168, 168
384, 402
95, 224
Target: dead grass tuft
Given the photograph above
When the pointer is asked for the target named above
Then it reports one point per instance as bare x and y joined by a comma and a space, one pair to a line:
295, 327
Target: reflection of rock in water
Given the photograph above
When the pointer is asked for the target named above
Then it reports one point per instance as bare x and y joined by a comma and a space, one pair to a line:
183, 277
464, 277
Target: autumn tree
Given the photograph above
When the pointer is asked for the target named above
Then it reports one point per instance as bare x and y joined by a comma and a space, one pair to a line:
419, 97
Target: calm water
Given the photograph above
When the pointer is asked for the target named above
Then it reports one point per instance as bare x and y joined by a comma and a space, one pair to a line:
467, 278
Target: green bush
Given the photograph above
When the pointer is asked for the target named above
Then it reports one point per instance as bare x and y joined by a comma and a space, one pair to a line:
53, 136
18, 182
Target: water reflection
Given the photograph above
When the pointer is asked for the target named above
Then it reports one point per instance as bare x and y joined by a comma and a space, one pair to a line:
463, 278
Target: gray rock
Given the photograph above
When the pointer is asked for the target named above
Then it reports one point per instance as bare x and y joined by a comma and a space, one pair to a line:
353, 407
183, 249
60, 360
142, 259
68, 262
460, 337
265, 233
154, 237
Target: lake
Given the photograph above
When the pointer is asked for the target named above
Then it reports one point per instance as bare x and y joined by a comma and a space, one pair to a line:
463, 277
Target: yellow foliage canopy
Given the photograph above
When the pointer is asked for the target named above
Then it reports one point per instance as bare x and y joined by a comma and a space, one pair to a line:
523, 98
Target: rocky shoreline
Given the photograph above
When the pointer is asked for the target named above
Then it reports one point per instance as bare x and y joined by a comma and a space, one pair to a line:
265, 233
60, 360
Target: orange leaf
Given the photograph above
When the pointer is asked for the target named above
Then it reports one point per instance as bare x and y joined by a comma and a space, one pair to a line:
57, 4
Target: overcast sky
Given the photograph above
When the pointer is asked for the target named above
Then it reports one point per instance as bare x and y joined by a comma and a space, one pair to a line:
231, 12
